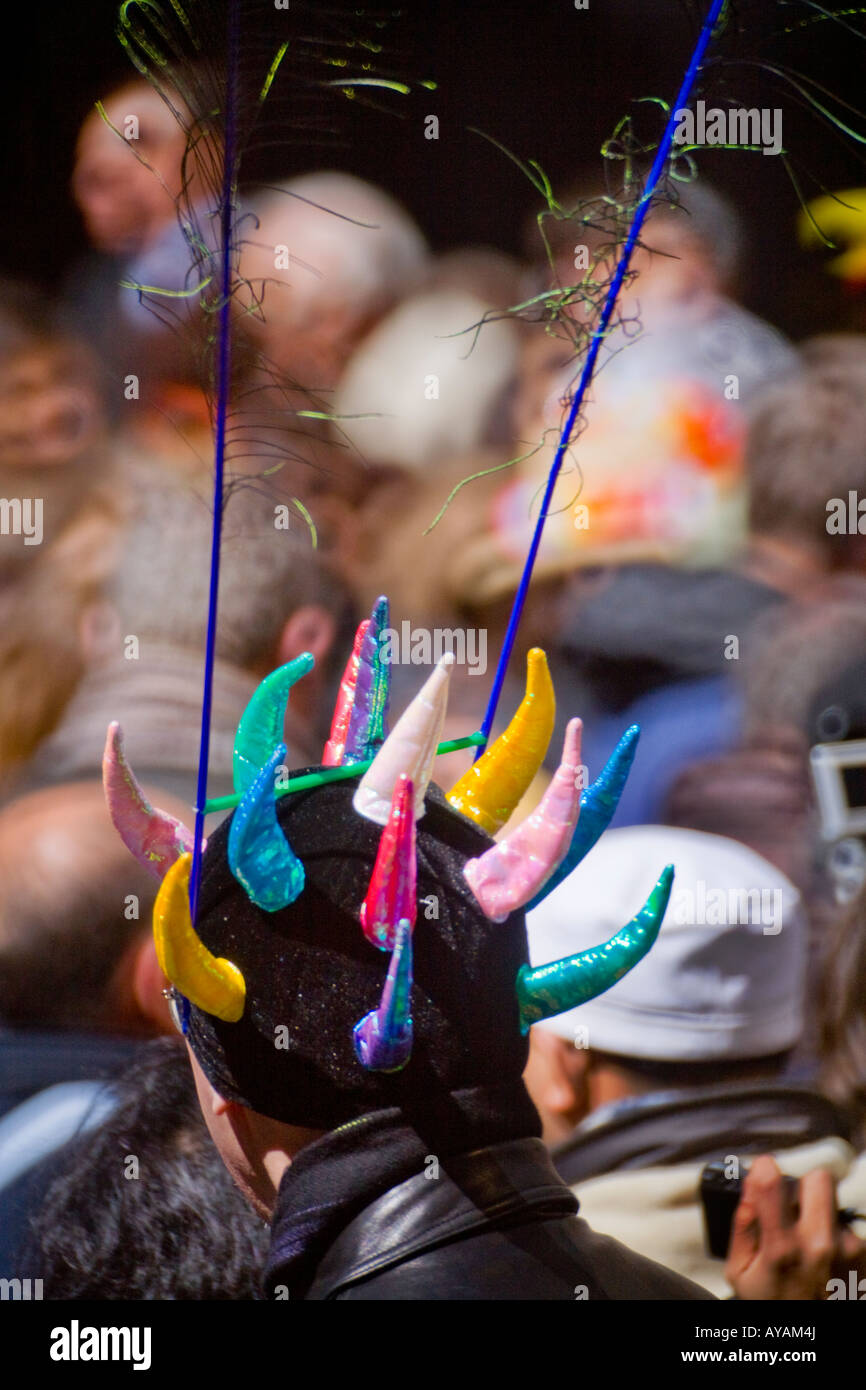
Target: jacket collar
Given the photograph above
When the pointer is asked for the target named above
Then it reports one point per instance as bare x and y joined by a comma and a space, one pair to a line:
678, 1126
515, 1181
342, 1175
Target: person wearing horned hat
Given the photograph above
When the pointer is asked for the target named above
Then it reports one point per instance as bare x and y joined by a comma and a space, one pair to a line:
356, 994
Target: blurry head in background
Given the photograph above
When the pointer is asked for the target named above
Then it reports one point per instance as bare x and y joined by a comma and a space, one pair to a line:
329, 256
656, 474
52, 424
489, 274
691, 245
54, 621
98, 1235
76, 951
276, 597
276, 600
842, 1016
805, 452
128, 169
719, 998
431, 383
797, 651
796, 675
832, 354
759, 796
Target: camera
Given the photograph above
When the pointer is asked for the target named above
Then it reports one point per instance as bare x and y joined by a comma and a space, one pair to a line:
720, 1197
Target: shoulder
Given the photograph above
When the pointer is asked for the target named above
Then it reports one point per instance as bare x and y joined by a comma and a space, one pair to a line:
498, 1225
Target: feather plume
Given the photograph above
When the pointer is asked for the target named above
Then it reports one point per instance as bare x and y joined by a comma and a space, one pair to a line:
234, 74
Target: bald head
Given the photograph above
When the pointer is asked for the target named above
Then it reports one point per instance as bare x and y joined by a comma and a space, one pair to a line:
330, 255
75, 912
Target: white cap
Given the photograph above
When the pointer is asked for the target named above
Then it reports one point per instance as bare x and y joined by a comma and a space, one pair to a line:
424, 341
726, 977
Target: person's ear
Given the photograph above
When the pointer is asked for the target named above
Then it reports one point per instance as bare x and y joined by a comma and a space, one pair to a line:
310, 628
148, 984
98, 631
555, 1078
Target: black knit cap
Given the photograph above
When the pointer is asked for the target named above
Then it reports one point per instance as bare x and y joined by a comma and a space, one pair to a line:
311, 974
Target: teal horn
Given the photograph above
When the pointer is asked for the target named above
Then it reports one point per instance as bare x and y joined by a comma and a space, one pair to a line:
259, 854
261, 726
563, 984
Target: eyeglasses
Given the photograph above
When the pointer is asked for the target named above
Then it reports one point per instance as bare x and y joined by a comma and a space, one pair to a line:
178, 1007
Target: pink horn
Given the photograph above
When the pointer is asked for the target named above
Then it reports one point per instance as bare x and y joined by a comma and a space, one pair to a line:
508, 875
391, 895
154, 837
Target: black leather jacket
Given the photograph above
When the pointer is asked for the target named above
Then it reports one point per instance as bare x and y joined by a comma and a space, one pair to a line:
499, 1224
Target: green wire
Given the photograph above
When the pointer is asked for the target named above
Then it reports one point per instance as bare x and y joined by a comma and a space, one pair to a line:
336, 774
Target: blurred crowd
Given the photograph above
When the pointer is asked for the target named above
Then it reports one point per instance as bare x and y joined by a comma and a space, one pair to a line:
702, 574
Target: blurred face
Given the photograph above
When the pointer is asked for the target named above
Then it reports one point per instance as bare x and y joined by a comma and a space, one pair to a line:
45, 418
125, 179
673, 267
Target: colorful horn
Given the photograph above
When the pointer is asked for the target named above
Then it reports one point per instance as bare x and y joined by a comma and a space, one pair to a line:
154, 837
383, 1038
563, 984
336, 745
259, 855
490, 790
410, 748
597, 807
391, 895
367, 730
208, 981
261, 726
506, 876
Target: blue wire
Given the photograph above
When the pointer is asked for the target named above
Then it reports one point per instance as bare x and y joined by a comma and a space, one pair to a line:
222, 405
589, 365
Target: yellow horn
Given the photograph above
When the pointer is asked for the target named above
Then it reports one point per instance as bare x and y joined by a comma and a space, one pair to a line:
491, 789
212, 984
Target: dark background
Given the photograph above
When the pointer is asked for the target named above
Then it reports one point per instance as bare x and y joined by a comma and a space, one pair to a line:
544, 79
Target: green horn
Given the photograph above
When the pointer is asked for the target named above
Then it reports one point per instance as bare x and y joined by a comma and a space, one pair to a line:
563, 984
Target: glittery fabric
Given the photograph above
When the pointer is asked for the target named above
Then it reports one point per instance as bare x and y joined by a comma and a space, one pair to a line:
311, 975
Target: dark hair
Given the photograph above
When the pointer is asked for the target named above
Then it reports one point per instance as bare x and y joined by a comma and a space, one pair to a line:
806, 444
667, 1075
178, 1229
842, 1015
